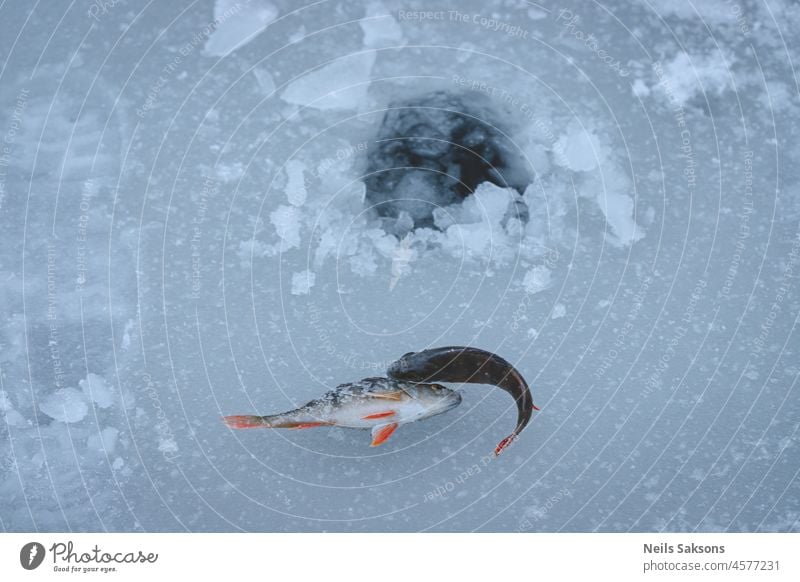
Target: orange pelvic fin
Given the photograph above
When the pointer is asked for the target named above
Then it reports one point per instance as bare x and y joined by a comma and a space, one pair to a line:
244, 421
382, 432
379, 415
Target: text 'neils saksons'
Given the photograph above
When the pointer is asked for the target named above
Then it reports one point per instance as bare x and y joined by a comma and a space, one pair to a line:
665, 548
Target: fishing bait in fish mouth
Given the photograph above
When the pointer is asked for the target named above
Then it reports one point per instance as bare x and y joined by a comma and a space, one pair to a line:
381, 404
470, 365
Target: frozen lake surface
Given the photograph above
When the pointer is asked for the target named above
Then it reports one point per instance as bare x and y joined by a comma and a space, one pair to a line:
185, 195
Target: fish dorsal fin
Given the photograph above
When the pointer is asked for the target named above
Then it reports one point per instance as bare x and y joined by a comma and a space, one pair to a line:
396, 395
382, 432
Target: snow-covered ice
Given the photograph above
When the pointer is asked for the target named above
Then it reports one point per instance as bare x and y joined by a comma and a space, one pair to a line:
186, 234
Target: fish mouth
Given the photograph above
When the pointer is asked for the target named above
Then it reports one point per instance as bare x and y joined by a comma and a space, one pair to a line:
453, 400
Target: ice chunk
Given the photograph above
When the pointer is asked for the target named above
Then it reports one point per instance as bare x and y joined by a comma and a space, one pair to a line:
380, 28
104, 441
302, 282
617, 205
65, 405
489, 204
559, 311
341, 84
536, 280
286, 220
296, 186
578, 149
97, 389
237, 23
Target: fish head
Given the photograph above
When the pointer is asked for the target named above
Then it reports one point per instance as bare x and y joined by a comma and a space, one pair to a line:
435, 398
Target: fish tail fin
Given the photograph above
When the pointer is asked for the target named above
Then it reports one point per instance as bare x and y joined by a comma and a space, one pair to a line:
245, 421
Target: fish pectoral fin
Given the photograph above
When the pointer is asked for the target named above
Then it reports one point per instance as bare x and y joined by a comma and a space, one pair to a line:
378, 415
396, 395
382, 432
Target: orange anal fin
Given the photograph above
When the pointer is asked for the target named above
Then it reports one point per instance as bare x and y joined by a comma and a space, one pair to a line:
504, 443
397, 395
243, 421
379, 415
381, 433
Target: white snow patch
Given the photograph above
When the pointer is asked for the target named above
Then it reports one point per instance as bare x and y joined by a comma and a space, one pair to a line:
97, 389
65, 405
286, 220
537, 279
559, 311
302, 282
237, 23
104, 441
689, 75
578, 149
640, 88
296, 192
341, 84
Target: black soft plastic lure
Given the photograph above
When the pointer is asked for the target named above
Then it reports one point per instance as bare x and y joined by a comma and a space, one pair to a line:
471, 365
